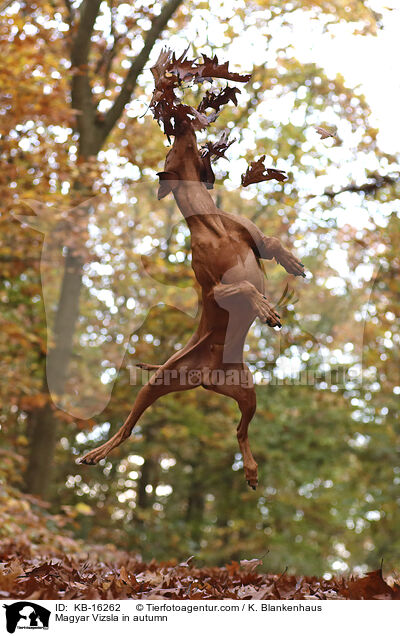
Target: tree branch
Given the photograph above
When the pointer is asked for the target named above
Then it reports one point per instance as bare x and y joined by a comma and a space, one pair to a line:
109, 58
5, 5
158, 25
81, 43
81, 92
70, 17
105, 62
367, 188
19, 259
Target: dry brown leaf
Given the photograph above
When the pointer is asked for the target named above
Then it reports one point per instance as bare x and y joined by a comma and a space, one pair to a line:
250, 565
257, 172
325, 132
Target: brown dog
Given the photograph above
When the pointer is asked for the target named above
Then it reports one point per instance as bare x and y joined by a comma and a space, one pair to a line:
226, 250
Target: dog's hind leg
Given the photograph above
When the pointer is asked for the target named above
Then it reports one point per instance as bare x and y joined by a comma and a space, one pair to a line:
188, 346
244, 393
164, 381
175, 375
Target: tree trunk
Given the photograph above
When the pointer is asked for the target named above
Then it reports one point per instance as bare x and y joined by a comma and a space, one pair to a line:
93, 132
43, 425
196, 501
143, 499
195, 511
43, 436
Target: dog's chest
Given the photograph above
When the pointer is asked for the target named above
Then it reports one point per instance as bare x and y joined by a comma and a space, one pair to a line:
214, 257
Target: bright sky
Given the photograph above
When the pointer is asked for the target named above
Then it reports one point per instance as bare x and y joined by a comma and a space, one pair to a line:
369, 61
366, 61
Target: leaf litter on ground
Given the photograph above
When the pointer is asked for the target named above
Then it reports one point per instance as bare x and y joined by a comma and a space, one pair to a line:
107, 574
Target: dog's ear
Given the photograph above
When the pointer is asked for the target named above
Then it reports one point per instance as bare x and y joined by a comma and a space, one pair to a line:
168, 181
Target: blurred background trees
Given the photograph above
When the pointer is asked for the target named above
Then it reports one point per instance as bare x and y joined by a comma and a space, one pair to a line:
81, 284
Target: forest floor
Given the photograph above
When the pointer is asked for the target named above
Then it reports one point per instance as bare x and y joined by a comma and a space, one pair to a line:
40, 559
123, 577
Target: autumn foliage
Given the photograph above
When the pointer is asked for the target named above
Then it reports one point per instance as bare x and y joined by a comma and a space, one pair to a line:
124, 577
44, 561
76, 125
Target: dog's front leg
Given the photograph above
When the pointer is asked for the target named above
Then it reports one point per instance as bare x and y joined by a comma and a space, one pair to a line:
242, 296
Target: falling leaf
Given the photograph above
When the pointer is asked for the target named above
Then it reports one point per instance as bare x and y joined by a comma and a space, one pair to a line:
170, 71
217, 148
325, 132
257, 172
217, 99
